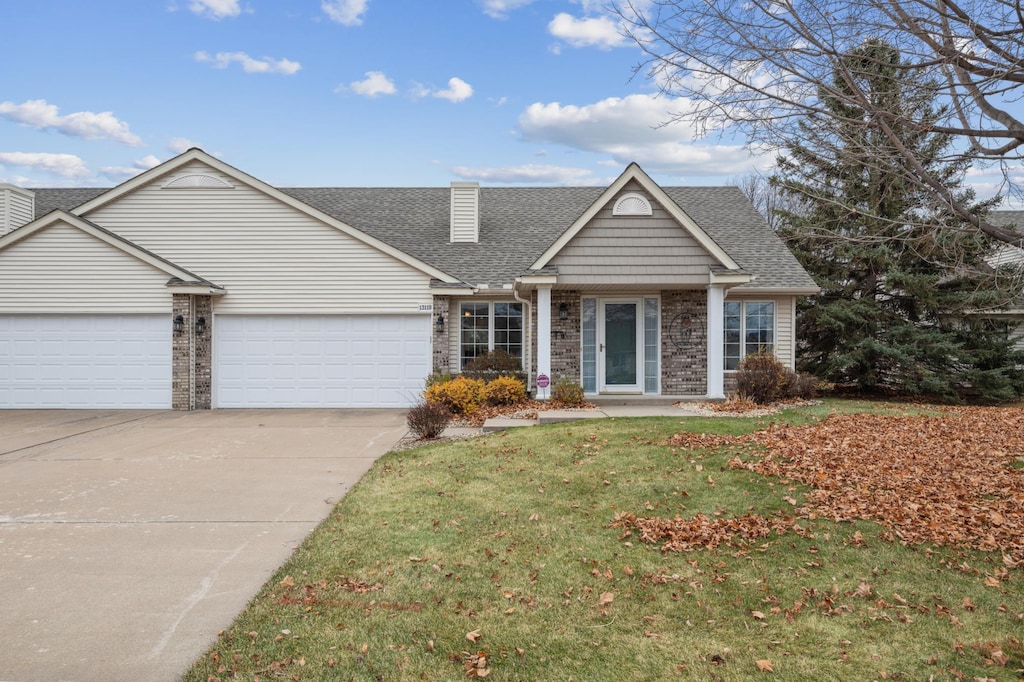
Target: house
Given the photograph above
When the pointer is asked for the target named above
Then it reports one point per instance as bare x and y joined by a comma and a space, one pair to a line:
195, 285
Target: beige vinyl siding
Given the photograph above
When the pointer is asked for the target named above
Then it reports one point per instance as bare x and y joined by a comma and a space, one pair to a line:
785, 324
64, 270
633, 250
465, 210
270, 257
17, 208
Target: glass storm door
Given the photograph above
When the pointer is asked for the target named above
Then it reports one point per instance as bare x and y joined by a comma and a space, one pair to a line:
619, 349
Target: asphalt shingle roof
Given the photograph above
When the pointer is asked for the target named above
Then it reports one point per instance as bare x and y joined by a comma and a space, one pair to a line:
517, 225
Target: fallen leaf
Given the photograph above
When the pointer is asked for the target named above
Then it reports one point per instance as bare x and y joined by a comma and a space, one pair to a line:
287, 582
606, 598
764, 665
758, 615
473, 636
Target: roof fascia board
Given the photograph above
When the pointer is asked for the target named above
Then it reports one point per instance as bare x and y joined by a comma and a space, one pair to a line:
781, 291
195, 289
634, 172
196, 154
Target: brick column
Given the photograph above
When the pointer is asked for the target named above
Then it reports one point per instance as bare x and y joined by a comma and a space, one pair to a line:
181, 355
440, 340
191, 353
203, 367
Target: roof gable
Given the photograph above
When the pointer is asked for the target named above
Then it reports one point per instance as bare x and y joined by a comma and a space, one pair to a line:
173, 271
195, 154
634, 173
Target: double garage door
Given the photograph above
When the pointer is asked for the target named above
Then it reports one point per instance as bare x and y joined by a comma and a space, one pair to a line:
320, 361
85, 361
124, 361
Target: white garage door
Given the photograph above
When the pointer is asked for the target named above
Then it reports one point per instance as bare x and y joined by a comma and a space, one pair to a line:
85, 361
321, 361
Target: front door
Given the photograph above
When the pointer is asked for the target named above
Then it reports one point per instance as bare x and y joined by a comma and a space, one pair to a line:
619, 346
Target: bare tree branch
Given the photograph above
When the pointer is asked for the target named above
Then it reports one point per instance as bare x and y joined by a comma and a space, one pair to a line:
762, 66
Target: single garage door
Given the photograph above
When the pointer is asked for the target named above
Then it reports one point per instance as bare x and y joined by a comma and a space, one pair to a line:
321, 361
85, 361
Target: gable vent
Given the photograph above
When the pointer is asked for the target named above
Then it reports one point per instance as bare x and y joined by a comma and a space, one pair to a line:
198, 181
17, 207
632, 204
465, 225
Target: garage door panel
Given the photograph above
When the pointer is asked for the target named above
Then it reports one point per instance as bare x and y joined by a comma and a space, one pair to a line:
85, 361
321, 361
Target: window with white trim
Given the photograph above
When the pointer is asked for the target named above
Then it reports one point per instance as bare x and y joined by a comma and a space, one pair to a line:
487, 326
749, 328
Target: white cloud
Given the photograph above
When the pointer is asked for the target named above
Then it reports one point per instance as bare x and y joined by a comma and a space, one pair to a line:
602, 32
147, 162
375, 83
249, 64
458, 90
345, 12
215, 9
535, 174
180, 145
66, 166
120, 173
89, 125
632, 129
499, 9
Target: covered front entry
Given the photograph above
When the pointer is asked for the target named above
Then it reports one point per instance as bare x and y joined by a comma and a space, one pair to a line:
320, 360
620, 345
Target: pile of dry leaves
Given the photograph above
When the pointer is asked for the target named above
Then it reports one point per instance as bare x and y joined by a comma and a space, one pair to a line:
955, 479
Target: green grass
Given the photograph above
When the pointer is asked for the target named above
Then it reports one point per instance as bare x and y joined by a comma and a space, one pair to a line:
510, 535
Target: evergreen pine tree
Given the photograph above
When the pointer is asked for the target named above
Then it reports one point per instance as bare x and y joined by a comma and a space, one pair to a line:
902, 284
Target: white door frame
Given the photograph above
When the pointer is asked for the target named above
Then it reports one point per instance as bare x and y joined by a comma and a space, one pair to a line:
638, 386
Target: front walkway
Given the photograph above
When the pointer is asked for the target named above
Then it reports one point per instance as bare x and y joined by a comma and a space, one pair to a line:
603, 410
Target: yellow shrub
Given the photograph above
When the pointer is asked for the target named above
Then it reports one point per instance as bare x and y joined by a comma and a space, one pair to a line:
504, 391
460, 395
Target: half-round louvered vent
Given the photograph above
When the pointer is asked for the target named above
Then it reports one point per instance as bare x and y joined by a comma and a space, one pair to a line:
632, 204
198, 180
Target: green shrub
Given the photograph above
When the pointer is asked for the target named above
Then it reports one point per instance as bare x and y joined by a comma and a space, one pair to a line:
761, 377
504, 391
438, 377
461, 395
427, 419
803, 386
498, 361
567, 392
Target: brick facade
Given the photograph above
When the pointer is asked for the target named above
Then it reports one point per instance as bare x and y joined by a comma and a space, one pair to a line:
684, 356
441, 345
565, 335
192, 353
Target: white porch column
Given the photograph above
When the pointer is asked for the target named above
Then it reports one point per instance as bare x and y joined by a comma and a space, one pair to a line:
715, 334
543, 338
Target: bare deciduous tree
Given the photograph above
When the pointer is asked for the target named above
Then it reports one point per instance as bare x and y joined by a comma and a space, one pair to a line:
763, 65
768, 198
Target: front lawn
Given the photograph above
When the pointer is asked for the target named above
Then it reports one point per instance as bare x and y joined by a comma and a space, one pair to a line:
523, 556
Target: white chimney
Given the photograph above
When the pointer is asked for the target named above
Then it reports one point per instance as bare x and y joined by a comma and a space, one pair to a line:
17, 207
465, 212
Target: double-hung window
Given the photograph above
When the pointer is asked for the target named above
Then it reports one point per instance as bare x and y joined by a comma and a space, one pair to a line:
487, 326
749, 328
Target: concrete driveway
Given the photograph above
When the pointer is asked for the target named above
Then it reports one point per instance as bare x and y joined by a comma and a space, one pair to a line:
128, 539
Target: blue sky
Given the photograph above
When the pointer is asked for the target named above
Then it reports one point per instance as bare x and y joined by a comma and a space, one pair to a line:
342, 93
337, 93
